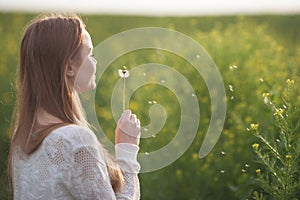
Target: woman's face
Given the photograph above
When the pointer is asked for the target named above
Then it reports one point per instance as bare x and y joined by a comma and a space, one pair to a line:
86, 75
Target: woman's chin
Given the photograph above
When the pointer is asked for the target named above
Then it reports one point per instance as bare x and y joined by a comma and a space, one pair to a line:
89, 88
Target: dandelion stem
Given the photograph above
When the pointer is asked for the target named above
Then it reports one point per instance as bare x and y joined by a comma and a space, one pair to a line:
124, 88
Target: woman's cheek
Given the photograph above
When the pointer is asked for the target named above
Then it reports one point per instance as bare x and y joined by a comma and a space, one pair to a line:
85, 79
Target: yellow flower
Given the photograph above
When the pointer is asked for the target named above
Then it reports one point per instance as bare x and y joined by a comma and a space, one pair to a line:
288, 157
254, 127
278, 112
290, 81
257, 171
255, 146
266, 94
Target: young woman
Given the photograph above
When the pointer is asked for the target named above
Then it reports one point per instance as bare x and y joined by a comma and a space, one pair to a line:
53, 153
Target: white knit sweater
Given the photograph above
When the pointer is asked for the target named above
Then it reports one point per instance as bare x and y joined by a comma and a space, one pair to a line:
70, 164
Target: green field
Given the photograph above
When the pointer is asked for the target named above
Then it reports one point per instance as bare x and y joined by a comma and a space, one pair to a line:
265, 51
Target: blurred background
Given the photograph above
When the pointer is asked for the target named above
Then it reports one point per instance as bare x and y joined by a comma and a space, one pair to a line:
255, 45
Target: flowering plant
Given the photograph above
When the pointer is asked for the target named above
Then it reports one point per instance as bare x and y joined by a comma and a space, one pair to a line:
279, 176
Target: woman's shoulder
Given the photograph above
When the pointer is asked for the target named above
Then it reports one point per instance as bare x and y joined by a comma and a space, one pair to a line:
74, 135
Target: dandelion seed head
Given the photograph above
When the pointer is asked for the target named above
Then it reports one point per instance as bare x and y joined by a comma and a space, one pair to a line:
123, 73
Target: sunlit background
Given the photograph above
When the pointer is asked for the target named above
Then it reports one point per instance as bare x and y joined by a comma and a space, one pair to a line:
157, 8
255, 45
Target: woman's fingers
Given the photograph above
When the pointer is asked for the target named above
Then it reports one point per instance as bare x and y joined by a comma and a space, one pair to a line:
125, 115
133, 118
138, 123
128, 128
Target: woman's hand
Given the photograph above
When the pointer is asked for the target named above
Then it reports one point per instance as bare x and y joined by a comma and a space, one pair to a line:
128, 129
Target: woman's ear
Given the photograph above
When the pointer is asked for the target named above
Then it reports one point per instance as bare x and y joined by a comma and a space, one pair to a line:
70, 69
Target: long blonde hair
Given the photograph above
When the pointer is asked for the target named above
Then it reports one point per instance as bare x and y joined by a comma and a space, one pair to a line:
48, 45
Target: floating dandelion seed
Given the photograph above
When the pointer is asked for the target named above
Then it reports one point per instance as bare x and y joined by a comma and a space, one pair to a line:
154, 102
145, 129
247, 165
146, 153
230, 88
198, 56
244, 171
233, 67
124, 73
222, 171
261, 80
231, 98
144, 74
163, 81
150, 102
153, 136
193, 95
277, 140
223, 152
